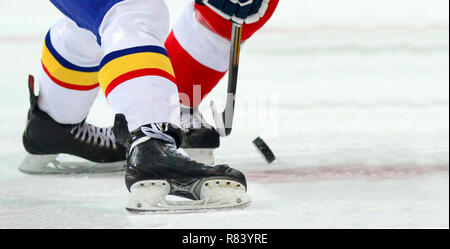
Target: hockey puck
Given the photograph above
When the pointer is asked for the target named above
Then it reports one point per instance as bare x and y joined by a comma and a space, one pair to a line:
264, 149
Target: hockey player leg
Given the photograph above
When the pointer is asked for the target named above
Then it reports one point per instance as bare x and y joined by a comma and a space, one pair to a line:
137, 78
199, 49
56, 120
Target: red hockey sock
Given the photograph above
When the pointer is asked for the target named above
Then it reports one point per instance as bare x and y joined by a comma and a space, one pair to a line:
199, 50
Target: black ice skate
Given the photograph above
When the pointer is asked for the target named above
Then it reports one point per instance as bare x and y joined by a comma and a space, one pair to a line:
44, 139
156, 169
199, 138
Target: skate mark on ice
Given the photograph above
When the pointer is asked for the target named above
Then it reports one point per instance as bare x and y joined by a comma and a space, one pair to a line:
344, 173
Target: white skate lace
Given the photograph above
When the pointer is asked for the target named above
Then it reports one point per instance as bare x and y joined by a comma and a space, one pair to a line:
102, 137
156, 131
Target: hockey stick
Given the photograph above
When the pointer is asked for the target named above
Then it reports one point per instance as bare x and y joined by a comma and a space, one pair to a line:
224, 120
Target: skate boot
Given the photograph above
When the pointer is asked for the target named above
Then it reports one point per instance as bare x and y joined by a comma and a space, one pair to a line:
156, 169
44, 139
199, 138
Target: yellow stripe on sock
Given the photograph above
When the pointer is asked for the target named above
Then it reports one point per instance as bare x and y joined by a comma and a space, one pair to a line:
133, 62
66, 75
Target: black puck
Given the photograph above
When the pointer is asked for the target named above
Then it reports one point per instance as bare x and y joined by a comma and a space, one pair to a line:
264, 149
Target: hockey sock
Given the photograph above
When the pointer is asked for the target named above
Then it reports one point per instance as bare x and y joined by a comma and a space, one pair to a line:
68, 78
136, 74
198, 47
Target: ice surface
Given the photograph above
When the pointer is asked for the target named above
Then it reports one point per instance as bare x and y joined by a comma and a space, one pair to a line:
352, 96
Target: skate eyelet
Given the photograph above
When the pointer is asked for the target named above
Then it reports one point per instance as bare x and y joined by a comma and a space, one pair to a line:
217, 182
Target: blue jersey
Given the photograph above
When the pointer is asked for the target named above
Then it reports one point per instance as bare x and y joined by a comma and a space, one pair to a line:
87, 14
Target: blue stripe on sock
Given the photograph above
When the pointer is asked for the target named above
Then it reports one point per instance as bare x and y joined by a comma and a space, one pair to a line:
65, 63
116, 54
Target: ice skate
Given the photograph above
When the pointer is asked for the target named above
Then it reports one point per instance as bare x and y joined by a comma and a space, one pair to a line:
155, 169
45, 139
199, 138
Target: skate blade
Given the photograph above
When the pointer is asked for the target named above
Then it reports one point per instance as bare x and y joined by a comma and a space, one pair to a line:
148, 197
187, 210
205, 156
49, 164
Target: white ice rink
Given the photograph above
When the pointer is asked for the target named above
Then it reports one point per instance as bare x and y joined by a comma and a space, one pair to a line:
352, 96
